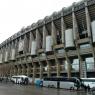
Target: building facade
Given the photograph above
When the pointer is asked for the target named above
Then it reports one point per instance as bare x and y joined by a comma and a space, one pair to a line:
62, 44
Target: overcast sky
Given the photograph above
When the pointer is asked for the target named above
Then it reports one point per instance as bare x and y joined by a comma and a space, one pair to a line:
15, 14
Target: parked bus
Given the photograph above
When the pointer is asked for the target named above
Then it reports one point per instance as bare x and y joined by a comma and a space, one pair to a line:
20, 79
88, 82
64, 82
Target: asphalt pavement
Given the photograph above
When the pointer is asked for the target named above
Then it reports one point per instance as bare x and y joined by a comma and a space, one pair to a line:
14, 89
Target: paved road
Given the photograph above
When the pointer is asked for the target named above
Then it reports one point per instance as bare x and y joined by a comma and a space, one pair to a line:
13, 89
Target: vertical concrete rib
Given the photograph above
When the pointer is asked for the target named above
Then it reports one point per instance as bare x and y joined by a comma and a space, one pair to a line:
28, 69
54, 31
38, 39
75, 26
45, 33
63, 27
41, 67
57, 64
48, 68
30, 41
41, 70
25, 43
88, 21
75, 30
9, 51
69, 65
83, 71
34, 69
16, 47
76, 37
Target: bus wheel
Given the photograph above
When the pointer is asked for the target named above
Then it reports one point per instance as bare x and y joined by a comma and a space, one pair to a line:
71, 88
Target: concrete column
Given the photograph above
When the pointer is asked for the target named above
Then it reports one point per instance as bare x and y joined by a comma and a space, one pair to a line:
28, 70
3, 54
58, 69
69, 65
30, 41
69, 69
54, 31
48, 68
6, 49
83, 69
11, 69
88, 20
63, 28
25, 43
75, 26
16, 47
19, 69
14, 70
4, 71
57, 64
41, 71
45, 33
38, 39
23, 69
9, 51
0, 71
75, 29
34, 72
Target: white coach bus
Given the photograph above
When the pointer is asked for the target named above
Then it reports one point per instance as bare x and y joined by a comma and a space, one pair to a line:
88, 82
64, 82
18, 79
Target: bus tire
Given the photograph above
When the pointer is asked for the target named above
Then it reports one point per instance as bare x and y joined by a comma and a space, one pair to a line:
71, 88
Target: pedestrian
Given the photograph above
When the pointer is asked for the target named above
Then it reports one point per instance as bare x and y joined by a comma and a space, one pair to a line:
88, 88
26, 81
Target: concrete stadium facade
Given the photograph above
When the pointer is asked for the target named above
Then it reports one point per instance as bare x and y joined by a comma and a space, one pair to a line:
62, 44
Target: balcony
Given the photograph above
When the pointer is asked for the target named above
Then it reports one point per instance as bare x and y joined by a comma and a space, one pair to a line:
45, 70
30, 71
50, 57
28, 60
42, 57
53, 69
72, 53
19, 56
38, 70
35, 59
23, 60
18, 61
83, 41
85, 51
62, 69
59, 46
40, 51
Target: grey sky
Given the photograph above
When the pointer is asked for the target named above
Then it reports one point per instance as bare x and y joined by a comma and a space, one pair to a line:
15, 14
